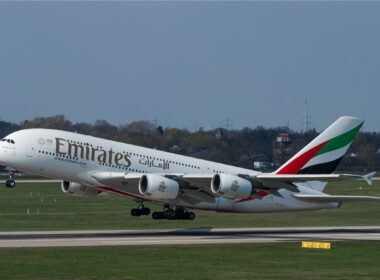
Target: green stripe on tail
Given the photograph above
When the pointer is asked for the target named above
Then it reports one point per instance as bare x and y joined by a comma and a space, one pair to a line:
340, 141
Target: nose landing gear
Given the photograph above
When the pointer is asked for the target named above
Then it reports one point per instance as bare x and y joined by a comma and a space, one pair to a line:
10, 183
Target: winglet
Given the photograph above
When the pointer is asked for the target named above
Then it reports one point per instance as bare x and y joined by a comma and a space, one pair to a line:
368, 178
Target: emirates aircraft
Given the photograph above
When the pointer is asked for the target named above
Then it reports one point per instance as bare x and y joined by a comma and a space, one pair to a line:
89, 166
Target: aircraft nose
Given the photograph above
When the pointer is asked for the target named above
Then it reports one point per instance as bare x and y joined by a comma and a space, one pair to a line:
5, 154
2, 156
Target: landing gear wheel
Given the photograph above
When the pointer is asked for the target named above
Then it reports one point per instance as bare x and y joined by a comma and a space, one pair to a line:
178, 213
135, 212
140, 210
145, 211
157, 215
171, 215
10, 184
191, 216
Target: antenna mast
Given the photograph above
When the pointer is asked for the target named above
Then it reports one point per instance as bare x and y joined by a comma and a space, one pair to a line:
306, 119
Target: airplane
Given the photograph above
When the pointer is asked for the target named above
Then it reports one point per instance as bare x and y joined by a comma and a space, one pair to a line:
89, 166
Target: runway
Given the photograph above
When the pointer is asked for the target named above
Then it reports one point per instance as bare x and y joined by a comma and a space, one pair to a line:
185, 236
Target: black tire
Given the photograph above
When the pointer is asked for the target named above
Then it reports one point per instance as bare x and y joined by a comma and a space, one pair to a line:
191, 216
11, 184
135, 212
171, 215
156, 215
145, 211
7, 183
180, 215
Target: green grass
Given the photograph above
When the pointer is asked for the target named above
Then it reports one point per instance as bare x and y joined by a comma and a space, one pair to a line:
58, 211
346, 260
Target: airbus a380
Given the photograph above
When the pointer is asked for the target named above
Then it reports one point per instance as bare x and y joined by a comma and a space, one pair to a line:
89, 166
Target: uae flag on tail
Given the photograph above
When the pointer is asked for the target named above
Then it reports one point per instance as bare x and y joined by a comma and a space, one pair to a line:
323, 154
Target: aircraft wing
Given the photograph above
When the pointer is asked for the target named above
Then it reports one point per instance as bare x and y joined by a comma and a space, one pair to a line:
116, 178
122, 178
195, 188
334, 198
120, 183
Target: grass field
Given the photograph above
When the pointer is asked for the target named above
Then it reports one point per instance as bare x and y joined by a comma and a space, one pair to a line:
50, 209
346, 260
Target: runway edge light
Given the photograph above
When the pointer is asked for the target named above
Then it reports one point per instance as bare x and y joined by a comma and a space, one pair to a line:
316, 245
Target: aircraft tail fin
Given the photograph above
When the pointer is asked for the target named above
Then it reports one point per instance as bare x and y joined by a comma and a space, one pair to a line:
323, 154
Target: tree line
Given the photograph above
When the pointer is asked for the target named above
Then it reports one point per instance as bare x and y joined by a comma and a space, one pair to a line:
237, 147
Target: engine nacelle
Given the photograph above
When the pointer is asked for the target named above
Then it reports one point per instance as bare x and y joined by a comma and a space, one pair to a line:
76, 189
158, 187
230, 186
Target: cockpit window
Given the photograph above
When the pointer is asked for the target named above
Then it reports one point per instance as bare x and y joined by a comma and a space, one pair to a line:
4, 139
9, 141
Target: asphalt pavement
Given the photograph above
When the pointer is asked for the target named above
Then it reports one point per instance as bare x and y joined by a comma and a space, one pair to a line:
185, 236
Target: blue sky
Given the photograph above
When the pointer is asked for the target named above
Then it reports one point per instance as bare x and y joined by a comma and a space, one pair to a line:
191, 64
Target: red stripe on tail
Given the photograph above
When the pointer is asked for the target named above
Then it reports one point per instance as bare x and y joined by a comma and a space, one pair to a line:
294, 166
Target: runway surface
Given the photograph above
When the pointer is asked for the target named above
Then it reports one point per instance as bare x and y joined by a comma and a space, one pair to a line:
184, 236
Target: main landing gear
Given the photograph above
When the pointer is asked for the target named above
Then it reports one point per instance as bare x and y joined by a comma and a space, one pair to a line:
173, 214
10, 183
141, 210
176, 213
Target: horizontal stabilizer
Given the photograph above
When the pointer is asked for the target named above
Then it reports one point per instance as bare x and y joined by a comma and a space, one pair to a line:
334, 198
369, 177
312, 177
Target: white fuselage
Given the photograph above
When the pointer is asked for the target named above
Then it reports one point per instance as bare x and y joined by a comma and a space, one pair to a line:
74, 157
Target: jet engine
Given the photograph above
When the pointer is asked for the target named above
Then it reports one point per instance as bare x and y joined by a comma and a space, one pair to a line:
230, 186
76, 189
158, 187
